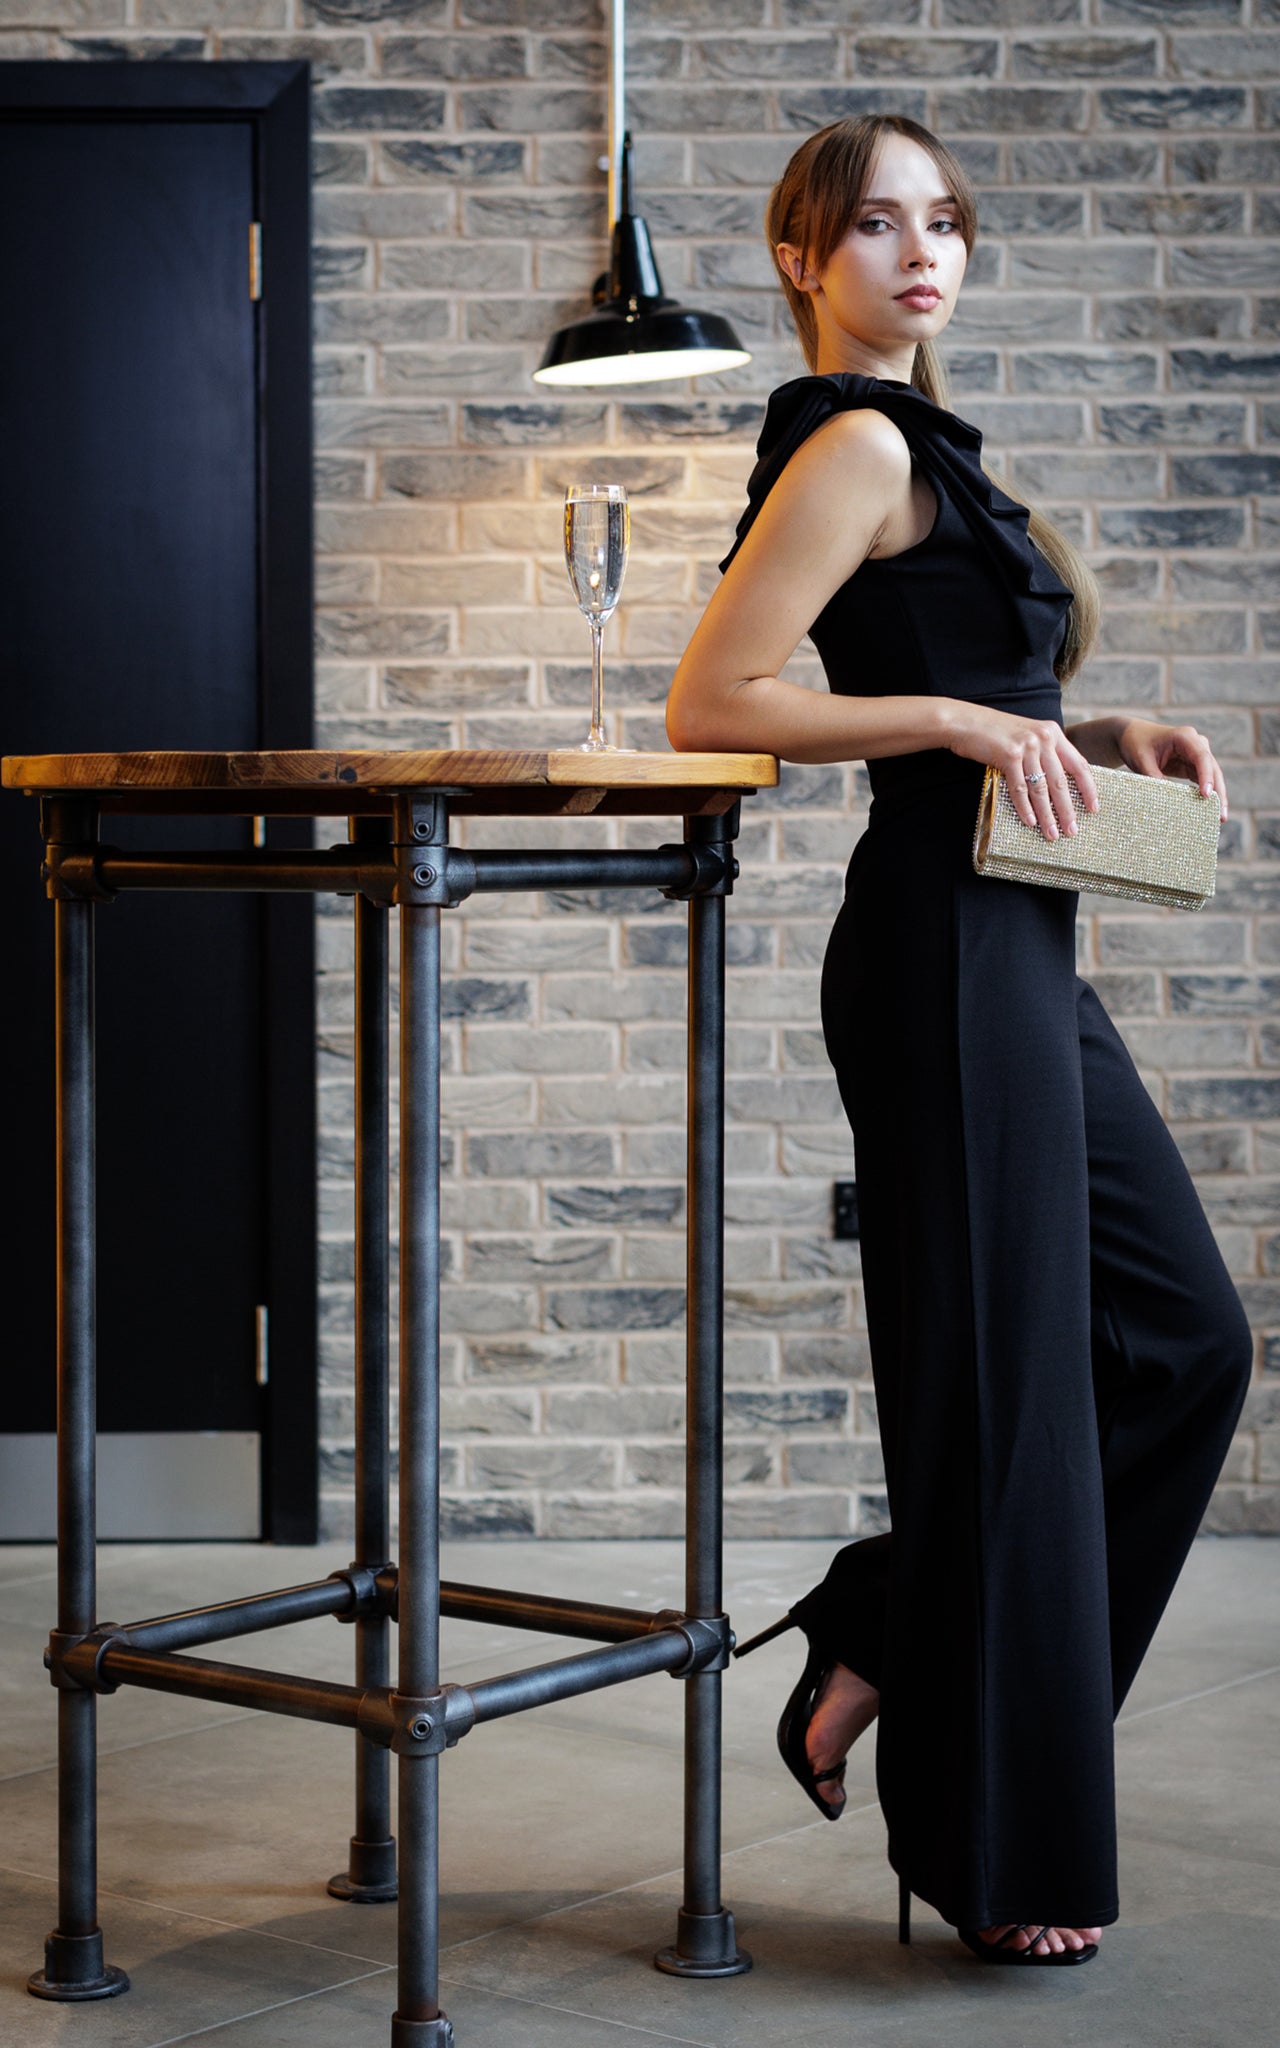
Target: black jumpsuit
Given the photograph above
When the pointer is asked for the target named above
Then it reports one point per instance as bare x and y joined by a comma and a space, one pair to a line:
1059, 1354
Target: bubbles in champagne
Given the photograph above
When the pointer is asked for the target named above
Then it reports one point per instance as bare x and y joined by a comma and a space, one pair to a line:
597, 532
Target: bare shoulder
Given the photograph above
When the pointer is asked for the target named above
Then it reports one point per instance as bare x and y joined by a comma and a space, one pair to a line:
856, 452
864, 439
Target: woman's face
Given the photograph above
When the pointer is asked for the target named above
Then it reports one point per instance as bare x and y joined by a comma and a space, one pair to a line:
905, 235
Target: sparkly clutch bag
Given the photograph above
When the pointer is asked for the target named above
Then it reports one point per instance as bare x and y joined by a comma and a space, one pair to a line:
1153, 839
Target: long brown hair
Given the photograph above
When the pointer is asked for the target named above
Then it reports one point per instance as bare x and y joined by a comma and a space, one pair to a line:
813, 206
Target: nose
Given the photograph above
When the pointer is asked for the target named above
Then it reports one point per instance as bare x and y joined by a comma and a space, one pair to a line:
917, 249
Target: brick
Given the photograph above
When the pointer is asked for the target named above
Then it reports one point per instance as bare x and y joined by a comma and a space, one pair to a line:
524, 1466
1096, 160
1212, 160
339, 163
625, 1203
406, 161
354, 319
802, 13
1087, 474
381, 632
464, 1412
924, 57
1007, 13
340, 212
1173, 13
1172, 106
1243, 56
615, 1308
808, 107
438, 57
1031, 316
1173, 213
1244, 369
1002, 109
1169, 319
580, 1360
1058, 57
615, 1412
560, 1153
365, 107
1162, 423
463, 1515
527, 13
1211, 264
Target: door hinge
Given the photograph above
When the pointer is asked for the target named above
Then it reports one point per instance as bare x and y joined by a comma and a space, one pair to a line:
255, 259
261, 1345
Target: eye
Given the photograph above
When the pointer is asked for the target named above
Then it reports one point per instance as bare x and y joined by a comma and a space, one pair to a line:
874, 220
944, 222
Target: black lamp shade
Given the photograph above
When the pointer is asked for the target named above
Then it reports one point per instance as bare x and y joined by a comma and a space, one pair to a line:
635, 334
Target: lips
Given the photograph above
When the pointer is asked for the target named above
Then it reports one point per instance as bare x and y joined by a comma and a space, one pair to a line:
919, 296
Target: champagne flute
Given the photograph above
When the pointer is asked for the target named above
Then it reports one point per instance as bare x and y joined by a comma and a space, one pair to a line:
597, 533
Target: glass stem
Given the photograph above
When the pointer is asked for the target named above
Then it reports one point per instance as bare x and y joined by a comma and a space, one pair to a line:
596, 736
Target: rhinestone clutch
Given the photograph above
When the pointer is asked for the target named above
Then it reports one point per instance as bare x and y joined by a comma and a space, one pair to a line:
1152, 839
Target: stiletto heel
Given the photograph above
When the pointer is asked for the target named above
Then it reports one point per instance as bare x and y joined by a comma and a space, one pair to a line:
904, 1910
766, 1635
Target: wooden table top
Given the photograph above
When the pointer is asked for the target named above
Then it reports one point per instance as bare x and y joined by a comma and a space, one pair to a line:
559, 781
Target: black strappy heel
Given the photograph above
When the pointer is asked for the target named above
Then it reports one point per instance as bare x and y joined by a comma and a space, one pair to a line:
793, 1726
792, 1730
996, 1951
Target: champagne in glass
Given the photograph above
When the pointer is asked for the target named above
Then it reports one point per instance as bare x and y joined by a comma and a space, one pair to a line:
597, 533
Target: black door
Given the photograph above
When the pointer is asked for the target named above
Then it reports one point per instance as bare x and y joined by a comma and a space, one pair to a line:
133, 529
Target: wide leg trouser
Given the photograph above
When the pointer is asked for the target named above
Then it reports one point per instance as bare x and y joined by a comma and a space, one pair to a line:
1060, 1359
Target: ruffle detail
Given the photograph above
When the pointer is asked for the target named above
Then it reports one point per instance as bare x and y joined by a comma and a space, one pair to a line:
943, 445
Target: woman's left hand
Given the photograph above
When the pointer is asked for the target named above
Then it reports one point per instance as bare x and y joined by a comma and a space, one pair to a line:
1171, 750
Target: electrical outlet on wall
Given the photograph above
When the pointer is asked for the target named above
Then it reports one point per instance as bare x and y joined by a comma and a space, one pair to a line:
846, 1208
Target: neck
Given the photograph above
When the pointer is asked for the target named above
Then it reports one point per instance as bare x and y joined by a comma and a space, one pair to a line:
847, 352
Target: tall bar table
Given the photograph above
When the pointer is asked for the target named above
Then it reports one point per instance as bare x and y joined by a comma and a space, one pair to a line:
398, 806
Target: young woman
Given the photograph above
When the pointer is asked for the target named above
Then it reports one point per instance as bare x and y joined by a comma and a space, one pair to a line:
1059, 1354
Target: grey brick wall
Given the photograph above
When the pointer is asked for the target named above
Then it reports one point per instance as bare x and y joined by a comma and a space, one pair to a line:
1119, 344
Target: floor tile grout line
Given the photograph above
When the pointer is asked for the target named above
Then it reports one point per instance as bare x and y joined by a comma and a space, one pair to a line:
277, 2005
209, 1919
1207, 1692
637, 1884
574, 2012
143, 1742
505, 1927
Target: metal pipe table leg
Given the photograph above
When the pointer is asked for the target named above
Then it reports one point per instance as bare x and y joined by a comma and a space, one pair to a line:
74, 1968
418, 2021
705, 1944
370, 1876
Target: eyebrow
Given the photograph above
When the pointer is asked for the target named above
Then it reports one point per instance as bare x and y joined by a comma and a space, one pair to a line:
947, 199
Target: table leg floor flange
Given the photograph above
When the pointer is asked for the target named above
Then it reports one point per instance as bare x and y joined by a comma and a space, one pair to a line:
74, 1970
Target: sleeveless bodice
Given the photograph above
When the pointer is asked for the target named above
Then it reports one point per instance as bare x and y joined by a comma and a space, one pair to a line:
973, 610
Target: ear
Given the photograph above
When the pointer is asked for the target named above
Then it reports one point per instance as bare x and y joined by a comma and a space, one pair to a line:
792, 261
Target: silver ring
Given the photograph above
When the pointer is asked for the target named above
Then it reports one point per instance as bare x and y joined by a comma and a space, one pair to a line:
1037, 777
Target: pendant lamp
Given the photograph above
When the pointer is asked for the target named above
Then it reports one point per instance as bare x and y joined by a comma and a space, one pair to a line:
635, 334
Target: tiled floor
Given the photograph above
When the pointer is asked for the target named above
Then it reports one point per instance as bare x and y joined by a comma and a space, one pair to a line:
561, 1834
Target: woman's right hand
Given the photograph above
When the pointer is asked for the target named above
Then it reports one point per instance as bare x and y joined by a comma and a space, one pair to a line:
1021, 747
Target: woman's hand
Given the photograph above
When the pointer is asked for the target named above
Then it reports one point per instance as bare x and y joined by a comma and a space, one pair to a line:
1171, 750
1021, 748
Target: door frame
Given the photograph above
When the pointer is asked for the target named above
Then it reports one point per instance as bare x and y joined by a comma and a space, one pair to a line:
275, 99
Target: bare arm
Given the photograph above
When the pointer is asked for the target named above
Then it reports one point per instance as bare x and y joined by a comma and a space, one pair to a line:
818, 523
823, 517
